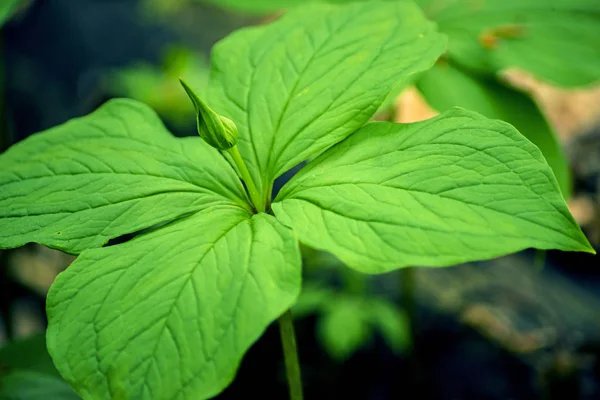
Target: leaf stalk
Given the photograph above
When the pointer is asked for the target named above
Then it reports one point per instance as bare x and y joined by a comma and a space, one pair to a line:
255, 197
290, 355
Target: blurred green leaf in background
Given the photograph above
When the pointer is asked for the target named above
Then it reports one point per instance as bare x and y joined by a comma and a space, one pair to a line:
27, 372
29, 385
27, 354
158, 86
556, 40
8, 8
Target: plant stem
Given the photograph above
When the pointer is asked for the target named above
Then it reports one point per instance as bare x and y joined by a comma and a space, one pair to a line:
254, 195
354, 282
290, 355
539, 259
6, 297
407, 286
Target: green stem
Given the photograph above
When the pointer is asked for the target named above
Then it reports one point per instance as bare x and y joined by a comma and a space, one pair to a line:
407, 286
290, 355
267, 196
539, 259
354, 282
408, 300
254, 195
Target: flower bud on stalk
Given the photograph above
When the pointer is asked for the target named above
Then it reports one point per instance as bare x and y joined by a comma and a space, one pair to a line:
220, 132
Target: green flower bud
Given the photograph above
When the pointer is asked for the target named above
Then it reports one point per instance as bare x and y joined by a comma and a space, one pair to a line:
220, 132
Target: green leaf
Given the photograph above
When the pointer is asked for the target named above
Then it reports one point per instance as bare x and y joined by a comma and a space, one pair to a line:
391, 322
455, 188
556, 40
28, 385
169, 314
446, 85
7, 9
299, 85
344, 327
113, 172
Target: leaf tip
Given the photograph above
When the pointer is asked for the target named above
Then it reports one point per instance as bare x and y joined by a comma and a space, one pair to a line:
585, 246
590, 250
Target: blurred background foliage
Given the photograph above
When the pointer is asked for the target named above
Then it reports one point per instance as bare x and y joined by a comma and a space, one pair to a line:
523, 326
158, 85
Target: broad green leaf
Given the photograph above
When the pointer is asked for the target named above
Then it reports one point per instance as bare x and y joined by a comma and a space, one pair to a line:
446, 85
391, 322
557, 40
170, 313
455, 188
29, 385
307, 81
344, 327
115, 171
7, 8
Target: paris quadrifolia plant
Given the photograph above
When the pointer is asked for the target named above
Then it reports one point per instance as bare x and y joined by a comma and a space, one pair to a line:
170, 313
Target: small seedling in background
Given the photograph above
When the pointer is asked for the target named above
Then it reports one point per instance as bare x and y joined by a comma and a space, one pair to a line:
347, 322
349, 315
